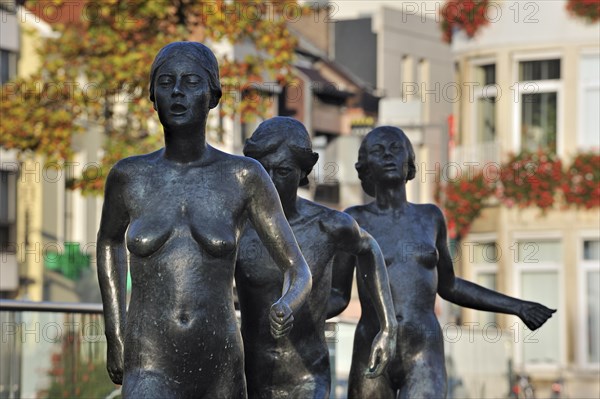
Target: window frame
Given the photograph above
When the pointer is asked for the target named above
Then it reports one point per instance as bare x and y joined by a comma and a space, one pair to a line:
583, 267
543, 86
485, 268
10, 222
582, 86
518, 270
12, 58
482, 91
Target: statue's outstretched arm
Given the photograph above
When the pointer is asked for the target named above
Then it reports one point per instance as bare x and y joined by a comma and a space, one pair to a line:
471, 295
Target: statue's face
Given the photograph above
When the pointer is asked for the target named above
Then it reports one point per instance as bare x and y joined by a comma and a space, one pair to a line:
182, 93
387, 157
283, 169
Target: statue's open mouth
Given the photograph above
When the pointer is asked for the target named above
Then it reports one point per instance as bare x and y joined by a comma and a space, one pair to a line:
178, 109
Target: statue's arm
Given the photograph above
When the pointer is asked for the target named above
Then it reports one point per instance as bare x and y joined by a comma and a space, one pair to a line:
266, 214
112, 271
342, 274
372, 269
468, 294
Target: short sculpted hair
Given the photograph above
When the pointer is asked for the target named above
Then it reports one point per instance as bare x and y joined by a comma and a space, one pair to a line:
278, 131
364, 174
196, 52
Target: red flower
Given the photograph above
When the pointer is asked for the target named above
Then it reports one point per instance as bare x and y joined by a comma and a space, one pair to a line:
582, 183
467, 15
586, 9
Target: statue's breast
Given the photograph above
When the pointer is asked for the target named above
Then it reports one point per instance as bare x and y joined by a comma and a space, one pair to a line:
145, 236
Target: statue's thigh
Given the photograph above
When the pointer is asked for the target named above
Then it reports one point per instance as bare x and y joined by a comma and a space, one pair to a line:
359, 386
315, 387
425, 378
230, 383
147, 384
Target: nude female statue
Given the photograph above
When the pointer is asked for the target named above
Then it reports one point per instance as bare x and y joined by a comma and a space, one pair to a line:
297, 366
181, 211
413, 241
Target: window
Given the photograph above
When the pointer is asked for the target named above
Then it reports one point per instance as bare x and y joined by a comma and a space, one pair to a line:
407, 74
486, 74
8, 190
423, 81
485, 267
538, 96
8, 65
328, 193
486, 93
589, 98
8, 6
538, 265
590, 288
539, 70
538, 113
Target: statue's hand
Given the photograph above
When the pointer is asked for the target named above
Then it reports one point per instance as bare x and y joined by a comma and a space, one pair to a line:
382, 350
534, 315
282, 319
114, 363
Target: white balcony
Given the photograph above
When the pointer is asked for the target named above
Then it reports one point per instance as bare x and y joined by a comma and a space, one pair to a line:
477, 155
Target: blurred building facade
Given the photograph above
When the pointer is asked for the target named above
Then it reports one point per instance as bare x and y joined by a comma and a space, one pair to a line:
530, 84
9, 52
401, 55
53, 232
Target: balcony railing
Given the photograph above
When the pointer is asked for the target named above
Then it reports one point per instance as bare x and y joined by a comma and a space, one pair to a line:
478, 155
53, 350
58, 350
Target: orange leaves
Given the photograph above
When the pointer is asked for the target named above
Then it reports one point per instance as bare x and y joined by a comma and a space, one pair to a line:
99, 62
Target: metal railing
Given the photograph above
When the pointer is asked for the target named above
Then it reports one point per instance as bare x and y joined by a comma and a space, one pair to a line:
53, 349
479, 154
50, 350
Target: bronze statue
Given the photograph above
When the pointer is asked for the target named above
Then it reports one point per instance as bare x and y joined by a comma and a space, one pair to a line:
412, 238
184, 208
298, 366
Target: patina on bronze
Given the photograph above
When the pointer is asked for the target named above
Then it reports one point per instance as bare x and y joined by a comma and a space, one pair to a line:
297, 366
412, 238
180, 211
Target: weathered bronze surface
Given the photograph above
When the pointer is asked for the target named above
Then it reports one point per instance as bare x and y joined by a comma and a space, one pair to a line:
297, 366
180, 211
412, 238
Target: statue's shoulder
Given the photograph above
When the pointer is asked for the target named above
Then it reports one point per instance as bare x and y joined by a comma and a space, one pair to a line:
428, 209
326, 215
239, 164
332, 221
357, 211
134, 165
430, 212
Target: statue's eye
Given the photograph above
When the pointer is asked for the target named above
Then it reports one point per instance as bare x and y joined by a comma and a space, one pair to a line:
377, 150
193, 82
396, 147
283, 172
165, 81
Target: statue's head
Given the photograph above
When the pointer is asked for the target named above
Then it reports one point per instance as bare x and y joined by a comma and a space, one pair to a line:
196, 57
281, 145
385, 155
